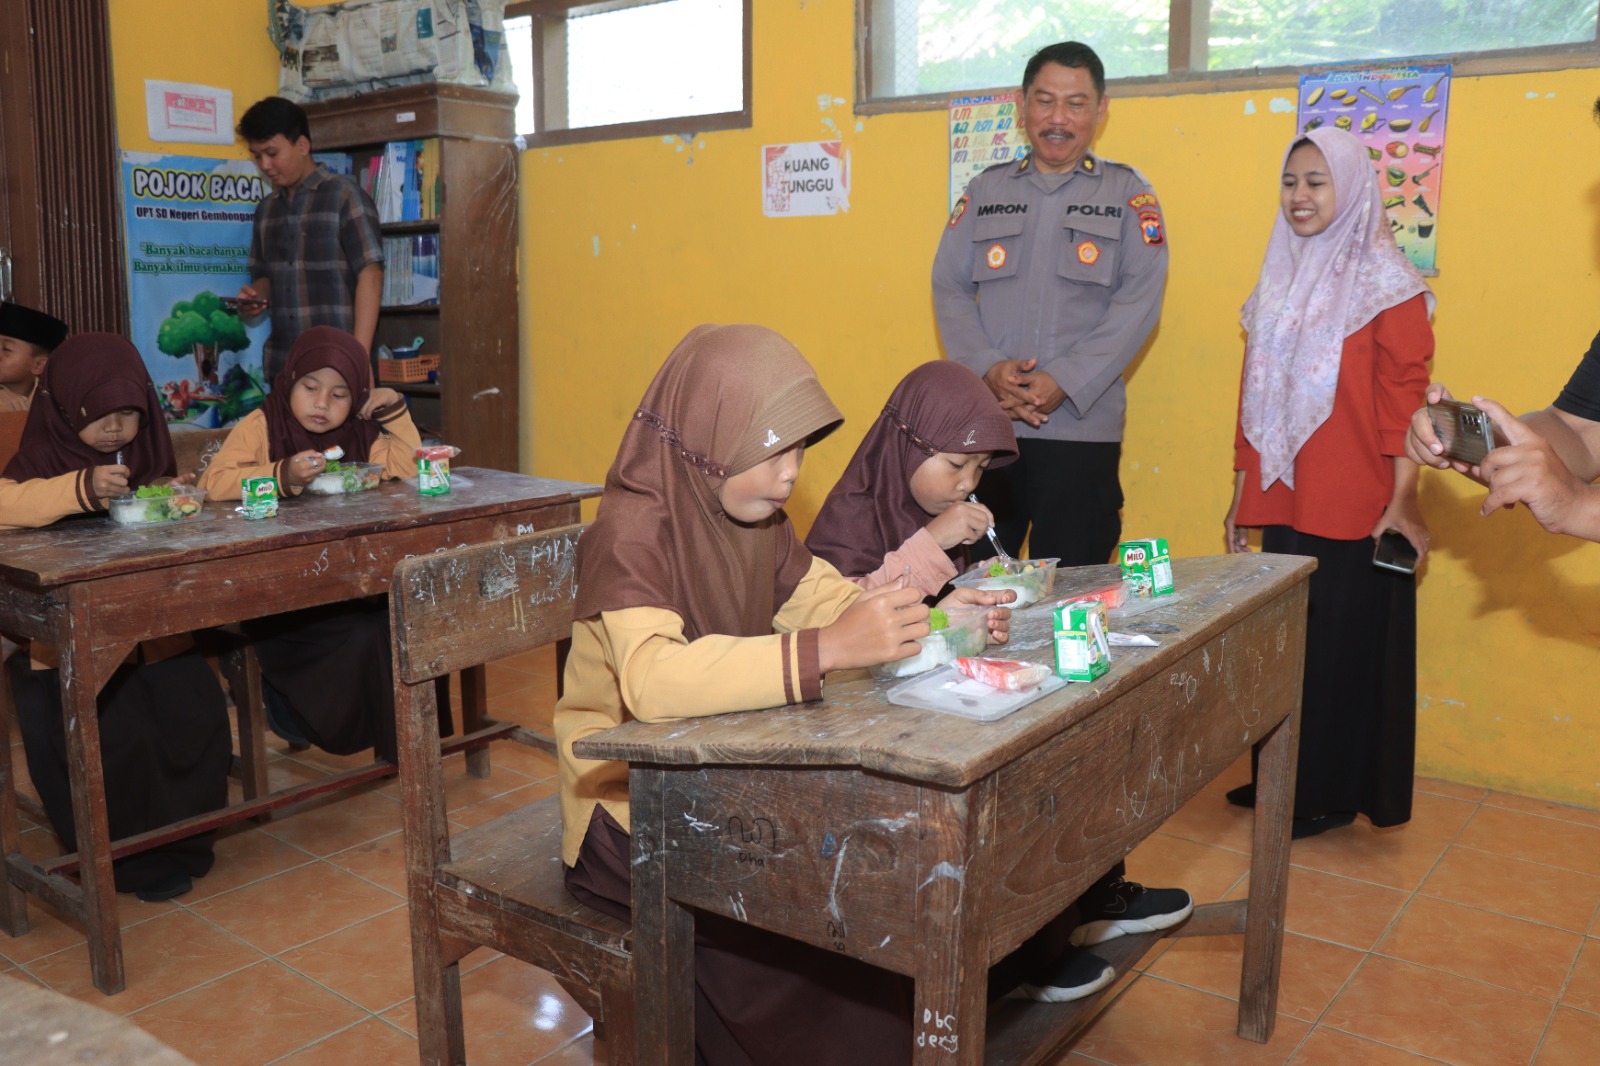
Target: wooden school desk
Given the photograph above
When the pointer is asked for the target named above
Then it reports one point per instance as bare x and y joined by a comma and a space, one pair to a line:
96, 589
933, 845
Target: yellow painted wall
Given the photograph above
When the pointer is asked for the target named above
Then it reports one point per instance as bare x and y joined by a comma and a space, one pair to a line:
222, 43
627, 245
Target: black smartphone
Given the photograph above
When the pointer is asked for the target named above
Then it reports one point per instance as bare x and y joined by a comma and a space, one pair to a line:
235, 306
1394, 552
1467, 433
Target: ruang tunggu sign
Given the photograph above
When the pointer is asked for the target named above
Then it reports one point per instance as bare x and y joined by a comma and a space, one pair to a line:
805, 178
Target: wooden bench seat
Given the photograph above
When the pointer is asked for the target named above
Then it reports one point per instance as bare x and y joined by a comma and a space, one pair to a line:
500, 884
509, 882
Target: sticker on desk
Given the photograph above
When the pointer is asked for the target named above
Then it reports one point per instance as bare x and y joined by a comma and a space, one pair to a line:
949, 691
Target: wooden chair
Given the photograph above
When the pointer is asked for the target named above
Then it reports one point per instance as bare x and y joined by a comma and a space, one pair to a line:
499, 884
193, 448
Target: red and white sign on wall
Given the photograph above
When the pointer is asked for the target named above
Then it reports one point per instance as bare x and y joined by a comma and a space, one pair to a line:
188, 114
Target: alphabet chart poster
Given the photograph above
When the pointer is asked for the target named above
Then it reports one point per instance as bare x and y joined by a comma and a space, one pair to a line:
1399, 113
983, 132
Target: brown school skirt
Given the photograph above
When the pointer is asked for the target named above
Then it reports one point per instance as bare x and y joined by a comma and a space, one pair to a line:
762, 999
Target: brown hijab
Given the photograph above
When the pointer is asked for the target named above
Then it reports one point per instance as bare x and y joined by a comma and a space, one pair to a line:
938, 407
318, 347
727, 398
85, 379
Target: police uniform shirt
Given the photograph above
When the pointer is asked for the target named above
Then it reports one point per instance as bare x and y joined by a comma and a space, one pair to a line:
1068, 269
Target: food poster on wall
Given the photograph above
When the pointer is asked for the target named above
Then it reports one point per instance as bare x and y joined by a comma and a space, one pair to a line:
188, 243
1399, 113
983, 132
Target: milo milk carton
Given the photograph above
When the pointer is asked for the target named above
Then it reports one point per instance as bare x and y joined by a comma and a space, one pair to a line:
1082, 653
258, 497
1146, 566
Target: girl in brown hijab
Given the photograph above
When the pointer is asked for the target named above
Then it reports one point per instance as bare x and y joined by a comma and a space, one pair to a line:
902, 502
319, 400
695, 598
325, 669
96, 430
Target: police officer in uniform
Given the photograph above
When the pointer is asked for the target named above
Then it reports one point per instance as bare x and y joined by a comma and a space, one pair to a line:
1047, 282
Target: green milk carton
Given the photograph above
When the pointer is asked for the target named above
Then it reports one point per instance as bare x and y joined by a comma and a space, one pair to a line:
433, 469
1146, 566
258, 497
1082, 653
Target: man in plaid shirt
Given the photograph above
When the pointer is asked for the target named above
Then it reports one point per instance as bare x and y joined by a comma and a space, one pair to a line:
316, 255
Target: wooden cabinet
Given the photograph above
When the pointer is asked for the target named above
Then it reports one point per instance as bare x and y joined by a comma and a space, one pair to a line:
474, 325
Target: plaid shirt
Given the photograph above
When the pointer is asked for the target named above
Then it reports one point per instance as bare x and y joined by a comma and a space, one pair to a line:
310, 248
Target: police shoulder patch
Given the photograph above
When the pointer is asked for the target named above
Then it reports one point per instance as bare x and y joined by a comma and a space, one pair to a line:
1150, 227
960, 209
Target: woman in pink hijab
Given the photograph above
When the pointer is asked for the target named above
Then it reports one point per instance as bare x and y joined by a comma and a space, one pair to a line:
1335, 362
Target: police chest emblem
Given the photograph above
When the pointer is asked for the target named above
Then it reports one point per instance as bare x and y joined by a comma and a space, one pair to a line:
996, 257
1088, 252
960, 209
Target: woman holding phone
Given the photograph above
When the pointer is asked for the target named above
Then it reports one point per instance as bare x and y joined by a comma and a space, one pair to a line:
1338, 341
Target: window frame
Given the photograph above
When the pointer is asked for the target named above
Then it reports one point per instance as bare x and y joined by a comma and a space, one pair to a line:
550, 79
1188, 42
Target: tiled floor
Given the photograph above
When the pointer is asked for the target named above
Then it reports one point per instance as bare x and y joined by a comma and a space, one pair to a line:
1467, 937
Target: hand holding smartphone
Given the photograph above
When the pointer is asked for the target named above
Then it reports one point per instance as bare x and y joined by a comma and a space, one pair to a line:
1394, 552
1467, 433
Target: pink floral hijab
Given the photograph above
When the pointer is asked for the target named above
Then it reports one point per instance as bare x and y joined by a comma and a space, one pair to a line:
1313, 293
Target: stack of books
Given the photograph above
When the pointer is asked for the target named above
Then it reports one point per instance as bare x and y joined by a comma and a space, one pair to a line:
403, 179
411, 270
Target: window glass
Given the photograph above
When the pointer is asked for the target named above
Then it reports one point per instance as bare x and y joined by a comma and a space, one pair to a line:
928, 47
954, 45
1280, 33
519, 46
662, 60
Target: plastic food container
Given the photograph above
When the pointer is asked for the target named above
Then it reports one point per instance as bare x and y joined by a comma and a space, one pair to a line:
181, 505
952, 692
349, 477
967, 634
1030, 579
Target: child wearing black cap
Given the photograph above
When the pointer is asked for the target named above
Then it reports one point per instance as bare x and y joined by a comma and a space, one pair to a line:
26, 338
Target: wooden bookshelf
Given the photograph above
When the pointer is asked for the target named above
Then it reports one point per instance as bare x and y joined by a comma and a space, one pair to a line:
474, 326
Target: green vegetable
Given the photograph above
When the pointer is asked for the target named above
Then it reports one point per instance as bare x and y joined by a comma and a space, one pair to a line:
333, 467
997, 569
938, 619
165, 505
